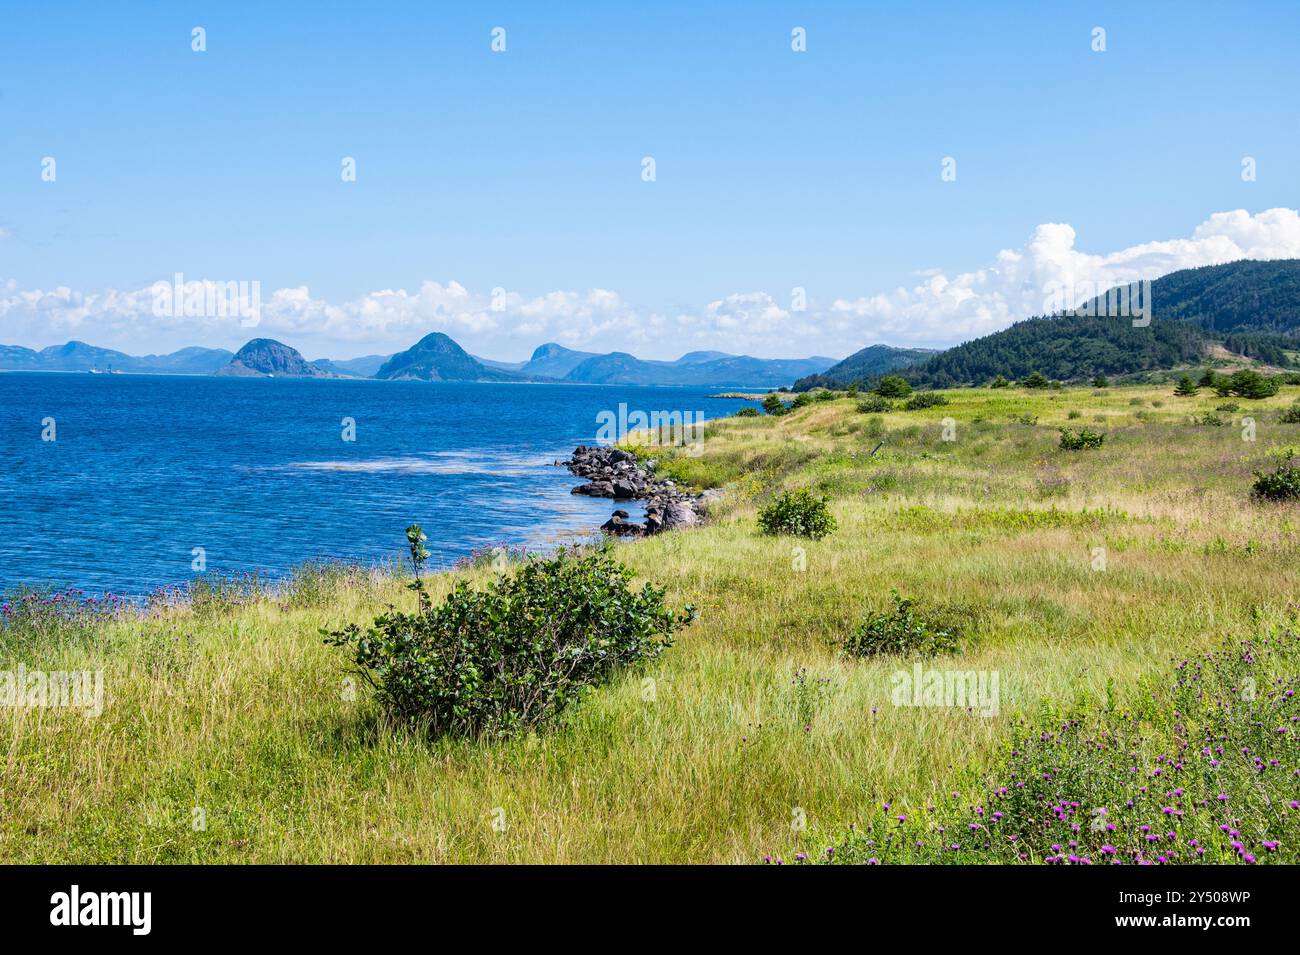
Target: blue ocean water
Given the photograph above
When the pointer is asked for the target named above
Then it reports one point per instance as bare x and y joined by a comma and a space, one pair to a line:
144, 469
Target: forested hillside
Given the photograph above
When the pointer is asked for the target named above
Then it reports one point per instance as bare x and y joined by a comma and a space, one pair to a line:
1249, 308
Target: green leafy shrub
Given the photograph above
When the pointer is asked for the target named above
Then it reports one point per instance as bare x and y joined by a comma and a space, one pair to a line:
1036, 380
1282, 484
1228, 406
800, 513
925, 399
1209, 419
893, 386
999, 382
802, 399
902, 631
1100, 381
1290, 415
516, 654
874, 404
749, 411
1078, 441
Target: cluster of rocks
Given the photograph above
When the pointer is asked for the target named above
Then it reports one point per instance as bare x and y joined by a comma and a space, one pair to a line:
615, 473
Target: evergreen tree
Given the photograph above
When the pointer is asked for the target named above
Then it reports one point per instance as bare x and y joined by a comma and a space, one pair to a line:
1248, 383
1186, 387
893, 386
773, 404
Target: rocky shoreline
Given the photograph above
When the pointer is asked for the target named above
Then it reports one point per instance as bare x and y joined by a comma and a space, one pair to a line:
616, 474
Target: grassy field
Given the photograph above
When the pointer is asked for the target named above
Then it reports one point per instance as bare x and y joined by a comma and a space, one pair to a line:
230, 733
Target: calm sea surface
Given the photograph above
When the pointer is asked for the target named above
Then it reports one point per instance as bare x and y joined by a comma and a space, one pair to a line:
144, 469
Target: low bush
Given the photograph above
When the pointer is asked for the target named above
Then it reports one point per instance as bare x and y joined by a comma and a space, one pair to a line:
902, 631
800, 513
749, 411
925, 399
875, 404
516, 654
1283, 484
1078, 441
1290, 415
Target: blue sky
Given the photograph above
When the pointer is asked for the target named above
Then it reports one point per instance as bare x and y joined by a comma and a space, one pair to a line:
522, 170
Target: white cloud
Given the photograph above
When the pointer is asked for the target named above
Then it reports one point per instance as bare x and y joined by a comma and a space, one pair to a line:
936, 309
945, 310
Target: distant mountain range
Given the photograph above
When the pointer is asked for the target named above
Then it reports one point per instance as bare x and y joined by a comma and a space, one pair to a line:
78, 356
1247, 309
436, 357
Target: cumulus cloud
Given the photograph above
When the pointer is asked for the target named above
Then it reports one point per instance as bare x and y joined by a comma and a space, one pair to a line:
1021, 282
935, 309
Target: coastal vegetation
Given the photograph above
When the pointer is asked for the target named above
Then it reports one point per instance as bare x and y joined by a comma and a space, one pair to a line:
1124, 620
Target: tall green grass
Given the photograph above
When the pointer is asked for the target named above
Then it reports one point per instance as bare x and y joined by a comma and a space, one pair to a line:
231, 732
